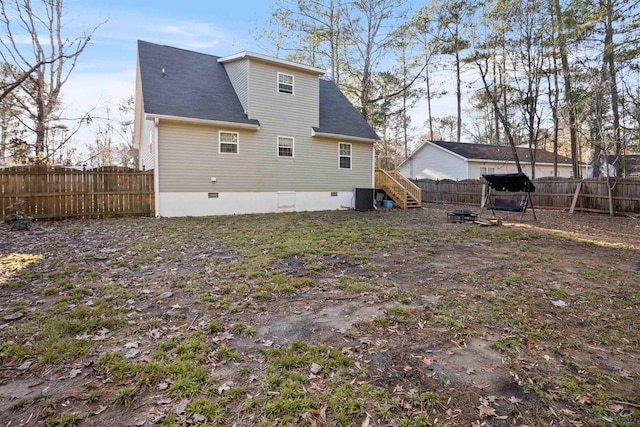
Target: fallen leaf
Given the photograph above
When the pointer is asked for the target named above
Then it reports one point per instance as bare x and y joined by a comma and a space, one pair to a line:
13, 316
74, 373
552, 395
487, 411
626, 375
100, 410
101, 335
315, 368
586, 399
225, 336
224, 387
427, 361
453, 413
525, 364
481, 386
366, 422
132, 344
323, 413
25, 365
615, 409
181, 407
576, 423
199, 419
514, 400
131, 353
471, 371
154, 333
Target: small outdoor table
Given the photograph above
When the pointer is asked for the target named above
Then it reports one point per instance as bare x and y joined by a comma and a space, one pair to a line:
461, 215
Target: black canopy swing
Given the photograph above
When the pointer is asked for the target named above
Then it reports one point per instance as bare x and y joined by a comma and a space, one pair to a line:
513, 183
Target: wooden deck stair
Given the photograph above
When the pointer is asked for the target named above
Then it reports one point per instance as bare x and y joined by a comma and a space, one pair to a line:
402, 191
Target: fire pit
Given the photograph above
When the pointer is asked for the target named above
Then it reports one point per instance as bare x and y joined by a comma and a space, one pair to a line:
461, 215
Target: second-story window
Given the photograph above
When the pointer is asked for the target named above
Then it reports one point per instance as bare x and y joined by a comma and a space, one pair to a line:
285, 83
228, 142
285, 146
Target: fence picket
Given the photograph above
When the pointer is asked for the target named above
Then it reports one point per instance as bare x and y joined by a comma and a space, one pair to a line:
550, 193
53, 192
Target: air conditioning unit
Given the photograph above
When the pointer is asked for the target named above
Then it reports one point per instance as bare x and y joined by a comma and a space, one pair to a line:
364, 199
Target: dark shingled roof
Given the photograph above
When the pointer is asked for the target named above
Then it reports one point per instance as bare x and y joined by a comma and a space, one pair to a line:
196, 85
497, 152
338, 116
193, 85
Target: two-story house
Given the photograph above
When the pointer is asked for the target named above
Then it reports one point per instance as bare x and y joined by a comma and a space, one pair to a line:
246, 133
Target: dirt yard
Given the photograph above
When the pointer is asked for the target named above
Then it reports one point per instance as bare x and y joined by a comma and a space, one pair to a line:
386, 318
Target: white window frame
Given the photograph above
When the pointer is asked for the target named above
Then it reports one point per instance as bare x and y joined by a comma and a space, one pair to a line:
293, 147
292, 83
487, 171
236, 143
340, 155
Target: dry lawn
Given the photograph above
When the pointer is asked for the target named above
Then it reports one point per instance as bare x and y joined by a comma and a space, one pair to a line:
386, 318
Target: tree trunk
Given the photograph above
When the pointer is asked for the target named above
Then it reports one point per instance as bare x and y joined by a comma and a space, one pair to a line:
426, 79
609, 60
458, 96
568, 91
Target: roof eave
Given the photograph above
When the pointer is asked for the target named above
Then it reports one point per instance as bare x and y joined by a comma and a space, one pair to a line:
339, 137
513, 161
265, 58
220, 123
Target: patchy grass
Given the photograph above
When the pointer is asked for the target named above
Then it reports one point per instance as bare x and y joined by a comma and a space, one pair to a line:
330, 318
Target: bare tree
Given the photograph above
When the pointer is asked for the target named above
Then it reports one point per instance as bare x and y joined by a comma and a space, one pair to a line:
113, 143
43, 66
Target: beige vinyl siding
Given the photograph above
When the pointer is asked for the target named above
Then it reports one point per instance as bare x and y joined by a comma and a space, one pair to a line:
238, 72
189, 154
189, 158
146, 157
288, 113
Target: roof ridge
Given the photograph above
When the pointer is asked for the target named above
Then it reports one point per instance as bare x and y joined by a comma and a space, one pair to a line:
180, 48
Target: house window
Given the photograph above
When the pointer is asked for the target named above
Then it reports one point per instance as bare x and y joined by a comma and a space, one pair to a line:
285, 83
228, 142
285, 146
487, 171
344, 155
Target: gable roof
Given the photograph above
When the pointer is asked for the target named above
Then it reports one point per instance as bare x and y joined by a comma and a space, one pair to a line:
182, 83
503, 153
338, 116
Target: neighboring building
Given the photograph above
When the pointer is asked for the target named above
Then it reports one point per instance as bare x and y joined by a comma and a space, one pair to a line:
458, 160
630, 164
246, 133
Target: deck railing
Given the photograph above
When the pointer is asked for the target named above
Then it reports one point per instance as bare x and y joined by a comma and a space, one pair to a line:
400, 189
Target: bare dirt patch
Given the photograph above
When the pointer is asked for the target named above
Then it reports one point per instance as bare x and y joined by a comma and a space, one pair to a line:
333, 318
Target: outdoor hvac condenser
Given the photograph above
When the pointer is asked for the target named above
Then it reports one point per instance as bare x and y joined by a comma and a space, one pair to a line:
364, 199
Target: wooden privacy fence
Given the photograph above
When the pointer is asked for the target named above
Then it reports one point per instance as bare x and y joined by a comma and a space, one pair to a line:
56, 192
550, 193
